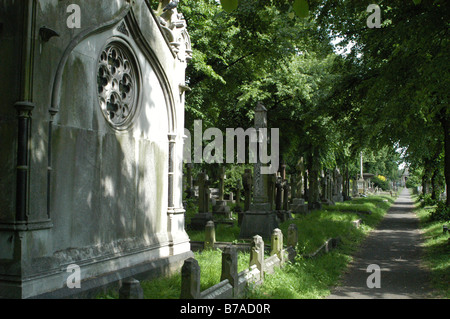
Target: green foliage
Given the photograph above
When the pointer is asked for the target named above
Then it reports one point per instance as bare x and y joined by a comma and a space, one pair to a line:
441, 213
426, 200
413, 181
383, 184
436, 252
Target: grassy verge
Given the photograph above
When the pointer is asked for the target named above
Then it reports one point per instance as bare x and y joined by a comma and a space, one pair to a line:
437, 251
304, 278
313, 278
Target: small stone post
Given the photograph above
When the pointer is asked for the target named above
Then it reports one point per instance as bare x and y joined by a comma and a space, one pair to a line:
277, 244
190, 279
210, 235
257, 254
230, 267
292, 236
131, 289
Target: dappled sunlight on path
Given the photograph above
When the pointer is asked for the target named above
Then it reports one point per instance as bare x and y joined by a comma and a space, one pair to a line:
395, 246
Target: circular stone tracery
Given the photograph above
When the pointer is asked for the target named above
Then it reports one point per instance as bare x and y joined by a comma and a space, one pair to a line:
117, 84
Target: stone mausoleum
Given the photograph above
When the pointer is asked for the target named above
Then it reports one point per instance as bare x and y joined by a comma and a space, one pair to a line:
91, 126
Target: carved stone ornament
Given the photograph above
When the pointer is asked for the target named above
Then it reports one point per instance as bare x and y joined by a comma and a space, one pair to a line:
118, 85
174, 28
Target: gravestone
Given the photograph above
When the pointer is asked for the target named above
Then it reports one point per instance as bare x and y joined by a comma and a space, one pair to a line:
230, 267
257, 254
190, 279
272, 179
337, 193
298, 202
292, 236
259, 220
92, 128
131, 289
210, 235
200, 219
221, 208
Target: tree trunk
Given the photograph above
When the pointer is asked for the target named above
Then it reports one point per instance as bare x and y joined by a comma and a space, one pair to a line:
445, 121
434, 185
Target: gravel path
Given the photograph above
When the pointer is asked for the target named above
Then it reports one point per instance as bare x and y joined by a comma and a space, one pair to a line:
395, 246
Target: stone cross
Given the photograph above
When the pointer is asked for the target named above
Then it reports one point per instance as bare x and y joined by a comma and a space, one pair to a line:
259, 180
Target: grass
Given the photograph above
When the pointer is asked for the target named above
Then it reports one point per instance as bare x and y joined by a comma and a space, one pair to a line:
313, 278
437, 251
304, 278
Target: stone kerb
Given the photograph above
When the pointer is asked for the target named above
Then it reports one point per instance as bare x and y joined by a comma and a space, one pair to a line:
233, 284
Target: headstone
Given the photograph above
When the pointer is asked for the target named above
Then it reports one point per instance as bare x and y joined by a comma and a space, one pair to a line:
292, 235
131, 289
210, 235
230, 267
190, 279
272, 181
198, 222
257, 254
221, 207
277, 244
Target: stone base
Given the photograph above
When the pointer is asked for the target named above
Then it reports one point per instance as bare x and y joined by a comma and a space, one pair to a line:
221, 208
328, 202
260, 223
198, 222
113, 281
338, 198
284, 215
314, 205
299, 207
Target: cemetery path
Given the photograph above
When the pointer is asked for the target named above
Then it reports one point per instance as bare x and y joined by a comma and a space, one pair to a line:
395, 246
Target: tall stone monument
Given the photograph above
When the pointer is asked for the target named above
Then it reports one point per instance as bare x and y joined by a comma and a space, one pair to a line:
259, 220
92, 127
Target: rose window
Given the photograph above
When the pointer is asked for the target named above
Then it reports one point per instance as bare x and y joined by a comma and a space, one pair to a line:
117, 84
